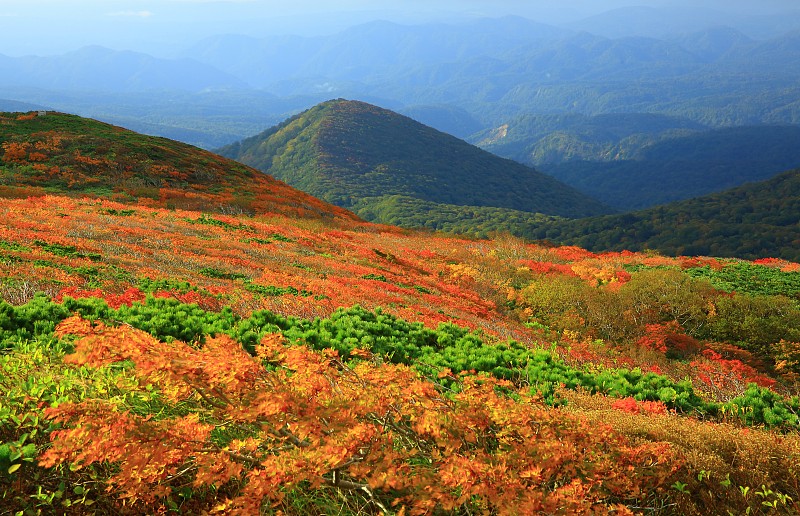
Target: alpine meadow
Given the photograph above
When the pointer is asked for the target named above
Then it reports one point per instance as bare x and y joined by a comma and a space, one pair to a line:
409, 258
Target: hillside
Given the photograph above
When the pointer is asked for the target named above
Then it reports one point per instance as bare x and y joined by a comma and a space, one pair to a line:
156, 359
636, 161
346, 151
755, 220
67, 154
539, 139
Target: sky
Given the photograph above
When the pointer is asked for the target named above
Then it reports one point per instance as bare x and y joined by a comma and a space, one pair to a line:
165, 27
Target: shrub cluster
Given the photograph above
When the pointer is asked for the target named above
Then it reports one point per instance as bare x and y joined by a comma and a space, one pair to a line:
447, 348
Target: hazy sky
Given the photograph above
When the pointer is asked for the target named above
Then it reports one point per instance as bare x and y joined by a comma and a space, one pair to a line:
166, 26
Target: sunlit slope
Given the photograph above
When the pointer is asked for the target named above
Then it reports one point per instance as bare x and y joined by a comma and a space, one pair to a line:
66, 154
757, 220
658, 366
346, 151
158, 359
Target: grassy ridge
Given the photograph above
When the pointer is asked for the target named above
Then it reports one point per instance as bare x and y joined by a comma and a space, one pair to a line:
60, 153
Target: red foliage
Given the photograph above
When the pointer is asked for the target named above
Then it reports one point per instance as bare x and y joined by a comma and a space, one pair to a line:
725, 374
655, 336
639, 407
668, 338
572, 253
692, 263
622, 276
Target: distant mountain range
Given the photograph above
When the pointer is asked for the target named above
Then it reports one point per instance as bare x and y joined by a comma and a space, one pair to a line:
100, 69
460, 78
675, 18
16, 106
347, 151
367, 52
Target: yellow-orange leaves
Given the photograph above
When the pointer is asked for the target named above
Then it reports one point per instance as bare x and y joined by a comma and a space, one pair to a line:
294, 418
15, 152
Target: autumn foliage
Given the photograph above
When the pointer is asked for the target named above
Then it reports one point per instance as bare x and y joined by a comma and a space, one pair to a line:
289, 417
181, 335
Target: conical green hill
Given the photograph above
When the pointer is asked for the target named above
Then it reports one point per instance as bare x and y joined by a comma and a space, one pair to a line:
346, 151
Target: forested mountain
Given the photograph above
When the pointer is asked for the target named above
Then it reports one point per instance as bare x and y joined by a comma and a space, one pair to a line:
346, 151
634, 161
553, 138
752, 221
714, 43
392, 170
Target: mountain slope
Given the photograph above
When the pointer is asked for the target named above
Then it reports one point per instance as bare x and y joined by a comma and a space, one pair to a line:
715, 43
96, 68
60, 153
160, 360
552, 138
634, 161
365, 51
344, 151
756, 220
683, 167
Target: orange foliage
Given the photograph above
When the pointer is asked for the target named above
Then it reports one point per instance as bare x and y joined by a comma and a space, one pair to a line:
311, 419
15, 152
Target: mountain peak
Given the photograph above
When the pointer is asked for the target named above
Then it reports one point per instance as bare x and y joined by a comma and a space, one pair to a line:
346, 150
